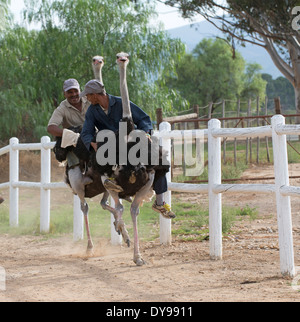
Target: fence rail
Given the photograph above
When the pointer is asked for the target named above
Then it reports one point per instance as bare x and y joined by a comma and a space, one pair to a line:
277, 130
235, 113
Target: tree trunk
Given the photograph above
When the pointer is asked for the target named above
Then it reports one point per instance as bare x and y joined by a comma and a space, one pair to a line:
292, 73
297, 103
295, 59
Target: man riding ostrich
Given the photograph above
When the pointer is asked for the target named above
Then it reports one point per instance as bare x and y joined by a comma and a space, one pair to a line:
123, 180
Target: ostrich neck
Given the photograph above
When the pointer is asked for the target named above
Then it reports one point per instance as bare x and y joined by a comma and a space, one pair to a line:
124, 93
98, 74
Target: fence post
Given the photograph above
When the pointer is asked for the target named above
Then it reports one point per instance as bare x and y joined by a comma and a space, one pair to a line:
277, 105
224, 139
45, 179
13, 177
284, 217
166, 224
78, 225
210, 108
196, 110
215, 199
159, 117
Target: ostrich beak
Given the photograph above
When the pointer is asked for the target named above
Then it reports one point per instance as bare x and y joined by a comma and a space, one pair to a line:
97, 61
123, 59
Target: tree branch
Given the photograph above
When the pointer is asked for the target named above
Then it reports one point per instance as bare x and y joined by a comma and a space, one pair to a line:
278, 61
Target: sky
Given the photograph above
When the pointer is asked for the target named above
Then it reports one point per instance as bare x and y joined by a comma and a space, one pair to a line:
169, 16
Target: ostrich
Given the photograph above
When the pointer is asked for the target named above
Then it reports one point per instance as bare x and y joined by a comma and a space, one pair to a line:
97, 65
136, 180
91, 185
86, 185
79, 182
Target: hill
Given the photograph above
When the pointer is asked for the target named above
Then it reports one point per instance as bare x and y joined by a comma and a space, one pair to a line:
192, 34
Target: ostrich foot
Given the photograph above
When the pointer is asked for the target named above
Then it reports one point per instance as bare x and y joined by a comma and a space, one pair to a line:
138, 260
90, 248
121, 230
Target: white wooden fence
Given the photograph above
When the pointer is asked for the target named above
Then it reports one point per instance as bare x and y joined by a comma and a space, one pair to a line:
277, 130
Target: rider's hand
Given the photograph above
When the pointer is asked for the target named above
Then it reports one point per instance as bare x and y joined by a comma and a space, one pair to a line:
94, 145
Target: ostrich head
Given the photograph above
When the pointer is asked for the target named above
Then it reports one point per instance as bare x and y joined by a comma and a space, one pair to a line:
122, 59
97, 64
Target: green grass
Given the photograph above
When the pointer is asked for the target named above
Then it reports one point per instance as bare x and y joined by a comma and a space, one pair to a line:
61, 221
252, 213
293, 149
232, 171
191, 222
229, 171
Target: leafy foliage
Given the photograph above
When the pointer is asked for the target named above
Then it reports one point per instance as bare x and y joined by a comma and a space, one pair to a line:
34, 64
210, 74
4, 14
264, 23
283, 88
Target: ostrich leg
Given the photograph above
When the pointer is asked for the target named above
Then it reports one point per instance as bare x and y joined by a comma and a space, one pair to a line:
104, 201
135, 210
117, 212
85, 210
78, 182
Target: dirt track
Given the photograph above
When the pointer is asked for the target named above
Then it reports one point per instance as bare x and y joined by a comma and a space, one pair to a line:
57, 270
39, 269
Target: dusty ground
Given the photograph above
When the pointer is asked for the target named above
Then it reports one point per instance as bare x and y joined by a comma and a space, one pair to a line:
39, 269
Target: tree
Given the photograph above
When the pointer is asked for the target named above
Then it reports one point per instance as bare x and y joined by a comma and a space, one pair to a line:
253, 83
34, 64
280, 87
4, 14
273, 25
210, 74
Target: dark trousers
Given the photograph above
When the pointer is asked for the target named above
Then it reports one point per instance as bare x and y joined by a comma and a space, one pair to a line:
160, 184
